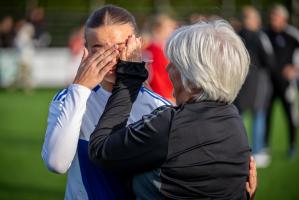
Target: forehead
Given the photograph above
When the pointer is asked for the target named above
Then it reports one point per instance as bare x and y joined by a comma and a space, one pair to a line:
110, 34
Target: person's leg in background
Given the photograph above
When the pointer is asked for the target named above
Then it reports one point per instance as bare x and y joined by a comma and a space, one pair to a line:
259, 127
290, 105
269, 112
262, 101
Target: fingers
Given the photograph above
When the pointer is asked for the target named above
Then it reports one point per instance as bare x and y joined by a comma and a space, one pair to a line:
251, 184
252, 167
84, 57
139, 42
109, 57
107, 54
123, 54
248, 189
85, 54
97, 54
104, 70
132, 51
131, 44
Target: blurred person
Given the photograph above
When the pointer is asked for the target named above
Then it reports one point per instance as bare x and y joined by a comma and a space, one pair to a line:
161, 26
208, 65
75, 111
235, 23
76, 41
6, 32
196, 17
37, 18
76, 46
24, 44
256, 91
284, 41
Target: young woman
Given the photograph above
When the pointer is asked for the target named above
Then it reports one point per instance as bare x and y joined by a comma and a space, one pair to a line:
74, 112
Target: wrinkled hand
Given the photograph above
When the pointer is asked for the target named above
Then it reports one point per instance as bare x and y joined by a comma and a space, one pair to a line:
132, 51
93, 68
251, 183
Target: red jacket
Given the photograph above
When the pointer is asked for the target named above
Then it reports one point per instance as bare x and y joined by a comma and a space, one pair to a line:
159, 82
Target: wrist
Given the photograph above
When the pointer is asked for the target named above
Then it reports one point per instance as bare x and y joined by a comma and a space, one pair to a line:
132, 70
81, 87
88, 86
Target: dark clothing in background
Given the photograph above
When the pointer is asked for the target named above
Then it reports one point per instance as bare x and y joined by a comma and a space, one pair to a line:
256, 91
7, 39
284, 44
201, 147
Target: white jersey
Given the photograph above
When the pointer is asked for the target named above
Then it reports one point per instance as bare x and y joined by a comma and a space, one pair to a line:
73, 115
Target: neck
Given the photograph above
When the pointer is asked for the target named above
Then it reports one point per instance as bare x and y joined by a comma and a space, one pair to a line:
182, 97
279, 28
185, 96
107, 86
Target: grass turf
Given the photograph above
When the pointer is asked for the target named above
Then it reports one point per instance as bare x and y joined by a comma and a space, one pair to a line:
24, 176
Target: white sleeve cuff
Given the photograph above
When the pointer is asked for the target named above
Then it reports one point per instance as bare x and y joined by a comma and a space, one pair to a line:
83, 91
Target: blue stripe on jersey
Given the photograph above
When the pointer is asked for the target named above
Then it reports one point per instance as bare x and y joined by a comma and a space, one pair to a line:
156, 96
99, 183
59, 94
60, 97
96, 88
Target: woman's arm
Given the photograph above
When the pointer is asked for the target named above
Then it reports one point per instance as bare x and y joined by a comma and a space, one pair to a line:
140, 146
65, 115
63, 130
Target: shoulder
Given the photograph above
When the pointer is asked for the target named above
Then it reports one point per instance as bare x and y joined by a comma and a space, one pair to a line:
60, 95
292, 32
166, 108
153, 97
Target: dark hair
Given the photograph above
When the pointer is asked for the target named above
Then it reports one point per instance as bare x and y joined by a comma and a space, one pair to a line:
110, 15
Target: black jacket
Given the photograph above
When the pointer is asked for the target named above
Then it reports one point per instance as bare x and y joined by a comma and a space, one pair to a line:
201, 148
257, 85
284, 44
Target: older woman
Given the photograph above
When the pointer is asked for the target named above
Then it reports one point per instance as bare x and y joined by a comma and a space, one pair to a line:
200, 145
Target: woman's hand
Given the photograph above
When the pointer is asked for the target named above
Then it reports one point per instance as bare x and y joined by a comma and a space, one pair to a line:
251, 183
93, 68
290, 72
132, 51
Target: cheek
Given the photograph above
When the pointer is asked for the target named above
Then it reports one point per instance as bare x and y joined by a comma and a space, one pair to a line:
110, 77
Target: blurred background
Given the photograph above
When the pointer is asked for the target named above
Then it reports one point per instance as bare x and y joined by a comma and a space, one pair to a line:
41, 45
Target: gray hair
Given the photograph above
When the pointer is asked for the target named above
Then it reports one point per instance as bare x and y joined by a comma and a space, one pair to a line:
211, 57
281, 10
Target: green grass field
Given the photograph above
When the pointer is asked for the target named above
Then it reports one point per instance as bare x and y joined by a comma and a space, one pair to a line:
23, 175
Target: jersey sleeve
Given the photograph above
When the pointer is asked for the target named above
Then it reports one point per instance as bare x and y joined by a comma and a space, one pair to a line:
138, 147
63, 129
